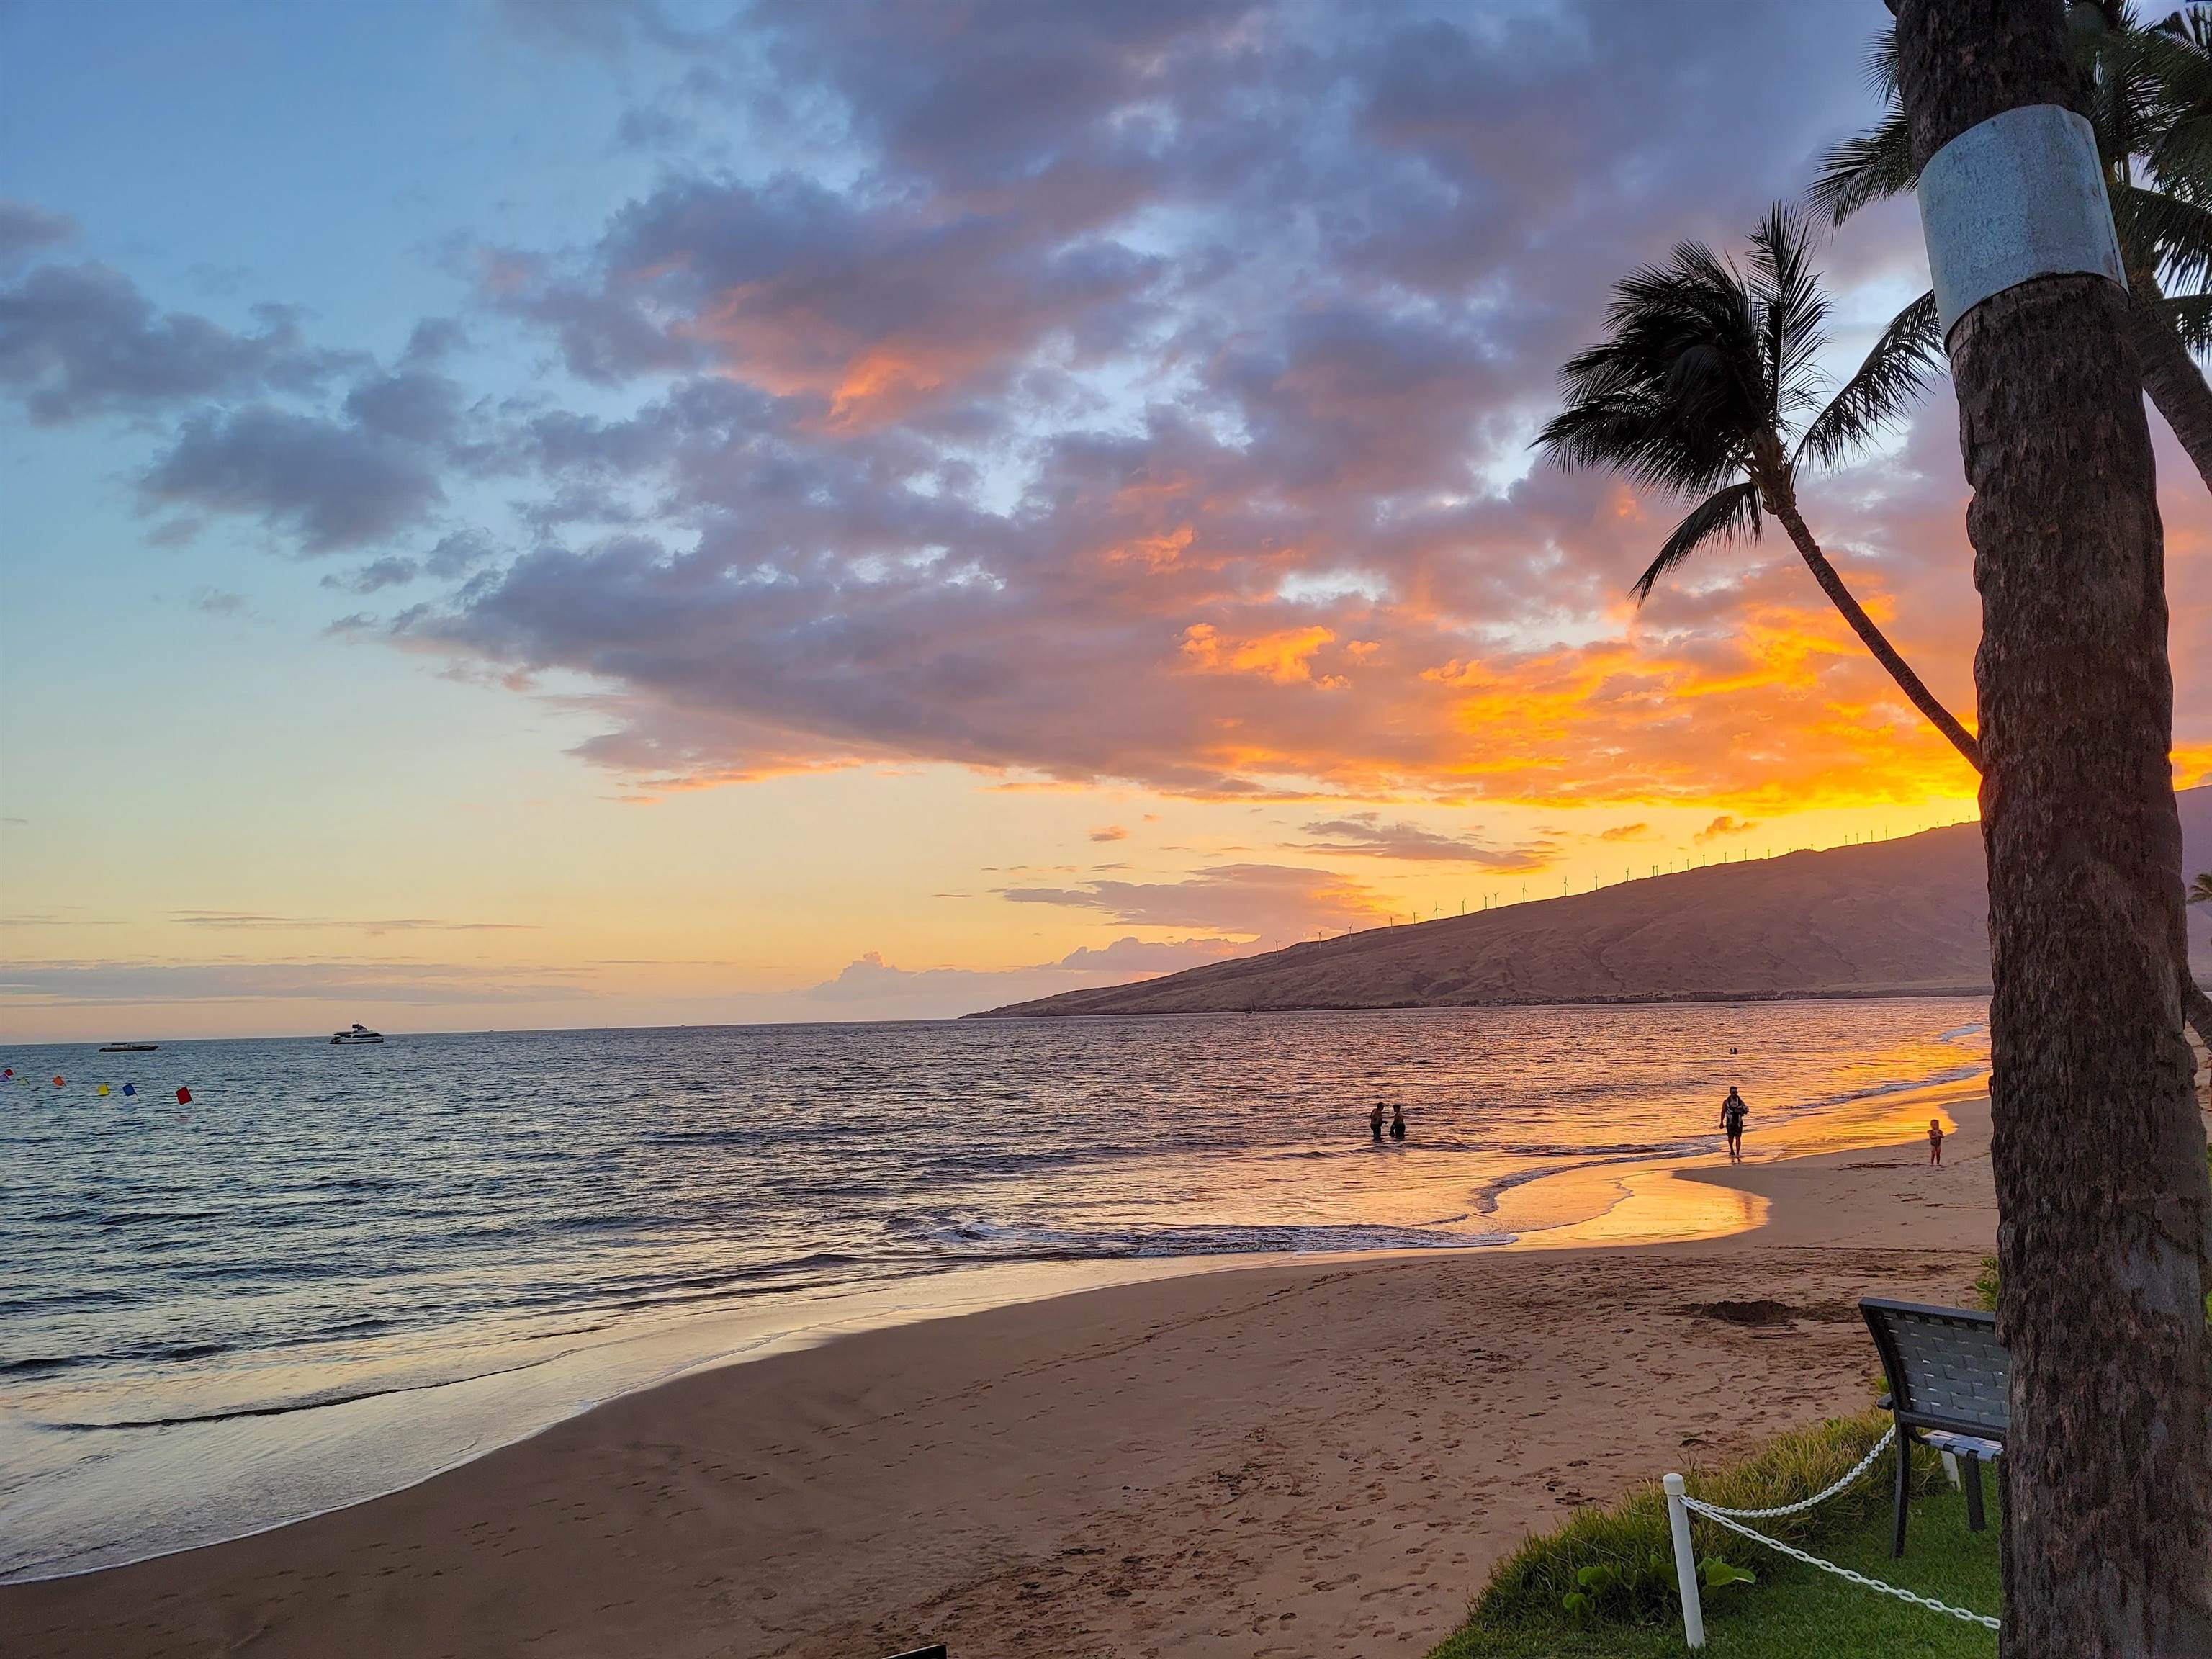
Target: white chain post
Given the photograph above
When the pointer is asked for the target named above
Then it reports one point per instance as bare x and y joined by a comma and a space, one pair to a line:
1685, 1561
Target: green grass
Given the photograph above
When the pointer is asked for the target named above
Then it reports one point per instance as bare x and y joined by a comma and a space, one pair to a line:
1792, 1612
1795, 1613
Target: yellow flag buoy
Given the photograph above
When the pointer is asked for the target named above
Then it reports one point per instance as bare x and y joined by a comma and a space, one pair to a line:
103, 1088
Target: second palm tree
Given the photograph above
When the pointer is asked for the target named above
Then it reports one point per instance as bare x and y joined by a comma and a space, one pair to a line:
1707, 387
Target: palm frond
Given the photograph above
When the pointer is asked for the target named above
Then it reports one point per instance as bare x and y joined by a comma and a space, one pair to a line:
2176, 58
1880, 64
2190, 315
2200, 891
1793, 312
2191, 25
1858, 172
2164, 233
2180, 160
1727, 515
1895, 373
2123, 96
1672, 396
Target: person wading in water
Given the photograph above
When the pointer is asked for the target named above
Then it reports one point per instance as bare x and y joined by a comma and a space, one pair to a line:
1733, 1113
1375, 1122
1397, 1123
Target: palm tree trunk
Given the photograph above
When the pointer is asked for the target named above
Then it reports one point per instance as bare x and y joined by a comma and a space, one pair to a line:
2171, 376
2105, 1213
1863, 625
2196, 1006
2177, 389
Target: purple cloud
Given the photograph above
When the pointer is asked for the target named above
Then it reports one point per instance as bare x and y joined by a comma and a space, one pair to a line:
28, 229
79, 341
1250, 900
870, 988
332, 485
1367, 835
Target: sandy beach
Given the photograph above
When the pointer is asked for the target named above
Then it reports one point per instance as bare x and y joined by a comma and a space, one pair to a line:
1305, 1457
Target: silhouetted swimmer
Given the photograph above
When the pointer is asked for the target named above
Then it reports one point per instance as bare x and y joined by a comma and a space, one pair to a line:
1375, 1122
1397, 1123
1733, 1113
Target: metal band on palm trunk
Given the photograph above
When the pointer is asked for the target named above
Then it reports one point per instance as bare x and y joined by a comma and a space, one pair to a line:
2019, 197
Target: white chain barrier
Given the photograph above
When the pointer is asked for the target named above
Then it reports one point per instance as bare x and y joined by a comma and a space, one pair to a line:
1800, 1507
1859, 1578
1680, 1506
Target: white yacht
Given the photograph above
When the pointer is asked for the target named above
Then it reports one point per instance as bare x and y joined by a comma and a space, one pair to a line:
360, 1033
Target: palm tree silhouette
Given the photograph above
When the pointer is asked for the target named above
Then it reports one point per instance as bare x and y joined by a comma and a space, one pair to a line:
1705, 385
2150, 105
2200, 891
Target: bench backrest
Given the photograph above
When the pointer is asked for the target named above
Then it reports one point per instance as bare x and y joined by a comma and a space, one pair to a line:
1946, 1367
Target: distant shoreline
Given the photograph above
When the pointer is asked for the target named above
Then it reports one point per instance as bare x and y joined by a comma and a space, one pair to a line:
1639, 1000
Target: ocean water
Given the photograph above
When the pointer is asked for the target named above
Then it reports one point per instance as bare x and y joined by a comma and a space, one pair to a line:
338, 1270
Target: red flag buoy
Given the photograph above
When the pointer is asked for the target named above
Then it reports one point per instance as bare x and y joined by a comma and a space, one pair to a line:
184, 1097
57, 1083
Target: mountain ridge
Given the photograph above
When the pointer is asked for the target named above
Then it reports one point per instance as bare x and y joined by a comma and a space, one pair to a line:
1908, 916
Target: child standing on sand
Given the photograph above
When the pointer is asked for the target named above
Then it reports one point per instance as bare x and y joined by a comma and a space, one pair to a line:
1936, 1141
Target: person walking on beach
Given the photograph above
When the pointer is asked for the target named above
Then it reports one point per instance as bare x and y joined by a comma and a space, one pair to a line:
1397, 1123
1936, 1142
1733, 1113
1375, 1122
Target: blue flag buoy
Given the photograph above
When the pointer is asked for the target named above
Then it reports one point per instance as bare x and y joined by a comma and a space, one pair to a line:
130, 1088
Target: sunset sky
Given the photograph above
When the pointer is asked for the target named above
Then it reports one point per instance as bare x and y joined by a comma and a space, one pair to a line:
606, 514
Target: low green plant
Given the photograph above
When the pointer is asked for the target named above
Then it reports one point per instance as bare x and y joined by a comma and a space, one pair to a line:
1617, 1565
1597, 1584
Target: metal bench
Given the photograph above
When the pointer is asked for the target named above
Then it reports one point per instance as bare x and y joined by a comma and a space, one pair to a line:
1950, 1387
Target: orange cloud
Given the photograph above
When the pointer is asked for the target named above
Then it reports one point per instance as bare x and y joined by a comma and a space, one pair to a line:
1285, 657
